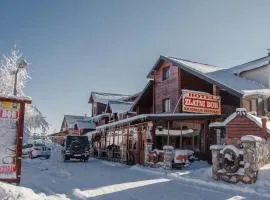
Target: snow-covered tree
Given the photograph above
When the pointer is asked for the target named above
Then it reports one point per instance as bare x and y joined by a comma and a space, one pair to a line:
34, 120
8, 67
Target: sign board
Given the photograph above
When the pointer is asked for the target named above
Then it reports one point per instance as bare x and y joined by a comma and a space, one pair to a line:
200, 102
12, 109
9, 116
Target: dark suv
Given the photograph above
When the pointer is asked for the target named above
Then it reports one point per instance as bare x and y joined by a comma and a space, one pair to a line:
76, 147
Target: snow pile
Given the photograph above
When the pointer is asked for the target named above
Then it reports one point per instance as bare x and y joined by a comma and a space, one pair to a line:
251, 138
200, 173
234, 149
217, 147
12, 192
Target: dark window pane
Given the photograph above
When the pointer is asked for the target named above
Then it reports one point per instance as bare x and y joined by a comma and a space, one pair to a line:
166, 73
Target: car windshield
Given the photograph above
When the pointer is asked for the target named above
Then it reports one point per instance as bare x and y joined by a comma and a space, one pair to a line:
82, 139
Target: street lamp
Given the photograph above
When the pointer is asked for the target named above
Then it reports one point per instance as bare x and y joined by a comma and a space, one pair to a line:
21, 64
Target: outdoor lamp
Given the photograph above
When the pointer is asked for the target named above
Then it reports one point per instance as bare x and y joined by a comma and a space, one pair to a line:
21, 64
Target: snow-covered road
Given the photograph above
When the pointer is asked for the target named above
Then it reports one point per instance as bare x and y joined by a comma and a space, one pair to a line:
107, 181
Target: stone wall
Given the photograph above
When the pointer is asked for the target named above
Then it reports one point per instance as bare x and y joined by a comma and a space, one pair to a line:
232, 164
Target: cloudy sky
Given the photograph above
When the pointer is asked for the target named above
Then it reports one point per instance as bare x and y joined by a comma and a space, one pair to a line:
76, 47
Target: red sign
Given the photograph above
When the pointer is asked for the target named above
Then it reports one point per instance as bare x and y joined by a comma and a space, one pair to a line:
200, 102
9, 114
7, 169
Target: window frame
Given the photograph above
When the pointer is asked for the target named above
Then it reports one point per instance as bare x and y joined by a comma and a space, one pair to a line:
166, 73
166, 105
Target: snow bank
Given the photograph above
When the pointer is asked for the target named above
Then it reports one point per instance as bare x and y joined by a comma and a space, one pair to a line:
251, 138
217, 147
233, 148
12, 192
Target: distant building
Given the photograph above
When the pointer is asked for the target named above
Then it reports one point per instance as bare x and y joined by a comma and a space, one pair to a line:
77, 125
108, 107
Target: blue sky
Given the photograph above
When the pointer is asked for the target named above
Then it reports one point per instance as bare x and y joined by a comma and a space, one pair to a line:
76, 47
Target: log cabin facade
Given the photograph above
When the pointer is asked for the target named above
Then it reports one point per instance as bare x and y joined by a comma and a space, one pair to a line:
159, 106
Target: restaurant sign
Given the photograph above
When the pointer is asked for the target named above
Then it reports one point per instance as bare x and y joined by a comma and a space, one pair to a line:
200, 102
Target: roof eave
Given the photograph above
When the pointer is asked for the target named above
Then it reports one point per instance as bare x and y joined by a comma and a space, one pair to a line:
161, 57
204, 77
195, 73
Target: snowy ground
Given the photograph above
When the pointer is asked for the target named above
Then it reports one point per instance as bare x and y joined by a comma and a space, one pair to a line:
54, 180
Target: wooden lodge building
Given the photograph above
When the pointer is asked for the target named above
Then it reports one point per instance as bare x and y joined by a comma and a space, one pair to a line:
176, 107
73, 125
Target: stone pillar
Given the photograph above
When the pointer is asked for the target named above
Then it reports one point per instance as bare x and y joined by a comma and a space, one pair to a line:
148, 149
250, 161
168, 156
216, 156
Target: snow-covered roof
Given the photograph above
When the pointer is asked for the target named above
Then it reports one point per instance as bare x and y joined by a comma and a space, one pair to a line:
251, 138
100, 116
255, 119
71, 120
223, 78
102, 97
165, 116
250, 65
261, 93
16, 98
118, 106
204, 68
85, 124
236, 83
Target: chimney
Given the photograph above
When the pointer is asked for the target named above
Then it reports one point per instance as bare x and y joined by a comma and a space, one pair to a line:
264, 128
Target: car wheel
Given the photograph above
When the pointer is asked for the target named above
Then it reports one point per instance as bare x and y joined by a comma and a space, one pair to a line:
66, 158
86, 159
47, 157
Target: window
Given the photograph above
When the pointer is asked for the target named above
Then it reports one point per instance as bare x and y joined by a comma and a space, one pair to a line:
166, 105
166, 73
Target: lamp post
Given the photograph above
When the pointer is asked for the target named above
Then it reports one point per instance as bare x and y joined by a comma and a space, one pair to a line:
20, 65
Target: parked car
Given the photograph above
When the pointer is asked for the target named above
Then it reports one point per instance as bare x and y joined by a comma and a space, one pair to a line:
76, 147
35, 150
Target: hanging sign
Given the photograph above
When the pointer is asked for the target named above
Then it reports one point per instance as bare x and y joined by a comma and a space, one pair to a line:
9, 116
200, 102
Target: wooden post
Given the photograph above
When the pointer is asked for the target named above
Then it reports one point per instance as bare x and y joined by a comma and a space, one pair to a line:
204, 137
114, 136
168, 138
181, 139
154, 92
193, 147
118, 136
19, 141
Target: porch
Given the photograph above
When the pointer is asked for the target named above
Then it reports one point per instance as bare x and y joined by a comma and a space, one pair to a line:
129, 141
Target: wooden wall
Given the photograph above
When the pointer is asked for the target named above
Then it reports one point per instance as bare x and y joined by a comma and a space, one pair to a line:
166, 88
240, 126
